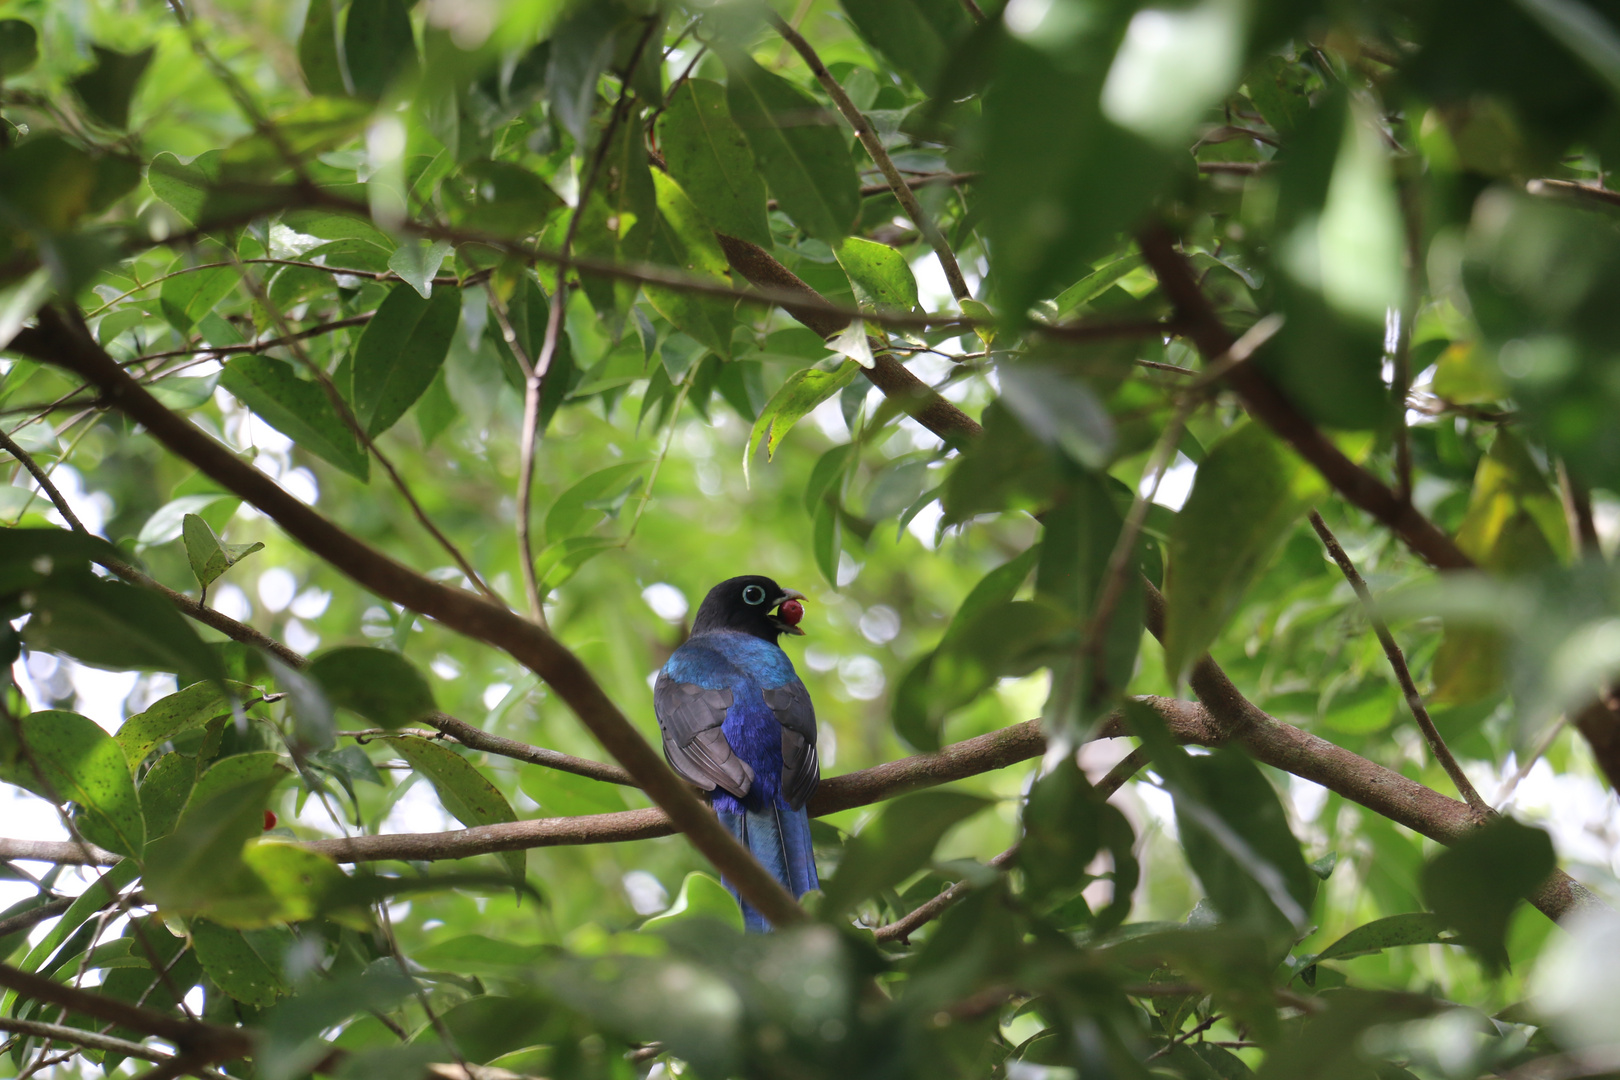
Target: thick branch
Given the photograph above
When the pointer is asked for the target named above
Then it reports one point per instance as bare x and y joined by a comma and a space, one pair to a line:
1262, 399
58, 342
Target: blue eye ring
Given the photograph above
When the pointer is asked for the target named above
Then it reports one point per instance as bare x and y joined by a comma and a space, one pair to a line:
753, 595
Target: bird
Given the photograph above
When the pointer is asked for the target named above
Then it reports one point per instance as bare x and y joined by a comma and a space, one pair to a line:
737, 723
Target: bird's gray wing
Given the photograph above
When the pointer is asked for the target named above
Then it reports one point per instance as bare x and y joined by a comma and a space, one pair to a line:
801, 767
689, 717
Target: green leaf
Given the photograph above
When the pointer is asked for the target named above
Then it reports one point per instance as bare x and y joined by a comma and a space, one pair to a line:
684, 239
880, 275
19, 47
482, 955
107, 88
506, 199
799, 146
119, 627
402, 349
802, 392
200, 862
1050, 210
827, 541
701, 897
209, 555
1475, 885
620, 220
483, 1028
164, 791
895, 844
462, 789
1414, 928
1247, 493
709, 157
581, 47
187, 297
167, 717
916, 36
417, 261
100, 893
238, 770
436, 410
318, 50
1515, 521
246, 964
184, 187
379, 45
298, 409
567, 795
78, 762
570, 514
1060, 410
377, 684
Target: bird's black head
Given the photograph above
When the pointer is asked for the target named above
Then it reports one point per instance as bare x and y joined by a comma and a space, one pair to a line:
750, 604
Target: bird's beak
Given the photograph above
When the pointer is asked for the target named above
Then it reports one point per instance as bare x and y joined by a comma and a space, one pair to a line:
787, 594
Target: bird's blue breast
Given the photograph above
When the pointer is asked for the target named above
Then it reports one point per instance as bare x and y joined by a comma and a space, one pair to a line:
715, 661
745, 665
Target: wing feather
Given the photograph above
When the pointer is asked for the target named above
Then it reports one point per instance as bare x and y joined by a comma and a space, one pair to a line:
689, 718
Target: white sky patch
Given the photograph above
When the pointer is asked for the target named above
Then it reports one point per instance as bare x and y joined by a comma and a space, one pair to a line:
311, 603
417, 811
231, 602
1177, 483
300, 638
925, 525
276, 587
1308, 797
666, 601
301, 484
829, 417
933, 291
100, 694
494, 693
645, 893
880, 624
92, 508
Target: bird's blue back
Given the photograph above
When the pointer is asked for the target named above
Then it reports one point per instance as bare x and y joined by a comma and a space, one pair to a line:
777, 834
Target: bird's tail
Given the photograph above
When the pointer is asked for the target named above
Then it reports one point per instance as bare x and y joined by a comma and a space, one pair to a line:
780, 839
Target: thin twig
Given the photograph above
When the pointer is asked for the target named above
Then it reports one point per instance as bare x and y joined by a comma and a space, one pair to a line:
534, 386
1197, 1029
902, 928
1403, 675
880, 156
1116, 574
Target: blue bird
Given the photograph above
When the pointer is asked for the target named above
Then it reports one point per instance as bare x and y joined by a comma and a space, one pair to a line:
738, 723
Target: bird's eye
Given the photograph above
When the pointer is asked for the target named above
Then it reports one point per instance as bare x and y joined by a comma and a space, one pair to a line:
753, 594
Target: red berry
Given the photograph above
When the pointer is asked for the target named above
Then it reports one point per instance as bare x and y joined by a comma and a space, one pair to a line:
269, 820
792, 612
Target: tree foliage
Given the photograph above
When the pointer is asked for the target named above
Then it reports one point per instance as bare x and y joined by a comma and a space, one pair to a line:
385, 383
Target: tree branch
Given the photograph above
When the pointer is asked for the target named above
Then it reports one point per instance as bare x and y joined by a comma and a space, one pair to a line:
902, 928
61, 343
888, 374
209, 1041
880, 156
1403, 674
1266, 403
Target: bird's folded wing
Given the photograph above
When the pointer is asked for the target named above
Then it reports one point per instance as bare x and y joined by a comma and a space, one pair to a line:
801, 766
689, 718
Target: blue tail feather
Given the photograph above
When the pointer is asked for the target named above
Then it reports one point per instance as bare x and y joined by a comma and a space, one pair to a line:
780, 839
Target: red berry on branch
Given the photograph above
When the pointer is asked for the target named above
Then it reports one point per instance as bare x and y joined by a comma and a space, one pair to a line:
269, 820
792, 612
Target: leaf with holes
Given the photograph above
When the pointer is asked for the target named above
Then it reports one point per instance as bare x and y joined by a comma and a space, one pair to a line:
880, 275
